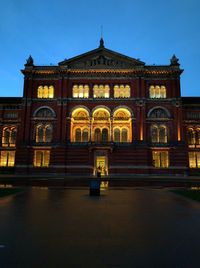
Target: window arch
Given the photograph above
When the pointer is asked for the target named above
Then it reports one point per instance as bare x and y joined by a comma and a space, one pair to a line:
45, 92
121, 91
158, 113
80, 91
157, 92
44, 112
101, 91
9, 137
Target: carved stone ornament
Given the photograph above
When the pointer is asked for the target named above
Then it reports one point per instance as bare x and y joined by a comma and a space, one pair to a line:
29, 61
174, 60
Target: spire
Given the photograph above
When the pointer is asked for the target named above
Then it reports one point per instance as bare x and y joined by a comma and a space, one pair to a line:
174, 61
29, 61
101, 45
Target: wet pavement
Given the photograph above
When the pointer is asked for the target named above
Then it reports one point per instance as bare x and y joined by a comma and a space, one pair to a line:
124, 227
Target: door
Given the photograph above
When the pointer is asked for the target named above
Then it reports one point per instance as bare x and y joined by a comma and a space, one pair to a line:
101, 164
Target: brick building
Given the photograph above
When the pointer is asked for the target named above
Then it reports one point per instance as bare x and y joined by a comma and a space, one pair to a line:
100, 110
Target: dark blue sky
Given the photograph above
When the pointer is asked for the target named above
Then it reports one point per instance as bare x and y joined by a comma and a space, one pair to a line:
53, 30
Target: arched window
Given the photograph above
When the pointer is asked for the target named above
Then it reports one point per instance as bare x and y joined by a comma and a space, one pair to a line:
122, 125
163, 134
198, 136
159, 134
154, 133
116, 135
191, 136
45, 92
39, 133
13, 136
157, 92
105, 135
80, 91
97, 135
44, 133
124, 135
101, 91
9, 137
45, 113
48, 133
85, 136
121, 91
158, 113
78, 135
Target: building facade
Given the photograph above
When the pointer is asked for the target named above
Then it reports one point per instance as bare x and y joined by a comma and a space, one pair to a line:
100, 110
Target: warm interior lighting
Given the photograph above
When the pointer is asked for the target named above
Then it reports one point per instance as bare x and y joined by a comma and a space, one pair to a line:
7, 159
160, 159
45, 92
41, 158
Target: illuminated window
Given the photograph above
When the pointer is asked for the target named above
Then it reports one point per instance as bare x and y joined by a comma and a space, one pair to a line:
44, 133
101, 91
121, 91
160, 159
80, 91
159, 134
157, 92
194, 159
45, 92
122, 125
9, 137
41, 158
7, 159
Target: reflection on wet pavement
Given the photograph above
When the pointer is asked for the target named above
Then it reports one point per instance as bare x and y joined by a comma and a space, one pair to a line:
141, 227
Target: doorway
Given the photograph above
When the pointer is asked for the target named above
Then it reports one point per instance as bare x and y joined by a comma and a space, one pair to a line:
102, 164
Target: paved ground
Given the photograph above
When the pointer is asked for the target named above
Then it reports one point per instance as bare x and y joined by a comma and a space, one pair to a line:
127, 227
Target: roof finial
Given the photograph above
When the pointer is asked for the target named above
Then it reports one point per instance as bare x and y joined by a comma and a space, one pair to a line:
101, 40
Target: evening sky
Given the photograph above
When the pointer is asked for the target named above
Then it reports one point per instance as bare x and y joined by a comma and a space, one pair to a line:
53, 30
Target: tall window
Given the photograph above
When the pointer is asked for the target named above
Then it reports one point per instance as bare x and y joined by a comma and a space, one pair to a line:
45, 92
120, 135
9, 137
101, 91
81, 135
194, 159
160, 159
7, 159
101, 135
157, 92
44, 133
121, 91
80, 91
191, 136
122, 125
80, 125
41, 158
159, 134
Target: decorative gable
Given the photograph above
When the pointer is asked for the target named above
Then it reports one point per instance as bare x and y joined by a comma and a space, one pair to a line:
101, 58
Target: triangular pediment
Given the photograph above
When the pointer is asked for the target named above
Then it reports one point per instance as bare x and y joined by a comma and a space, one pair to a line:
101, 58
